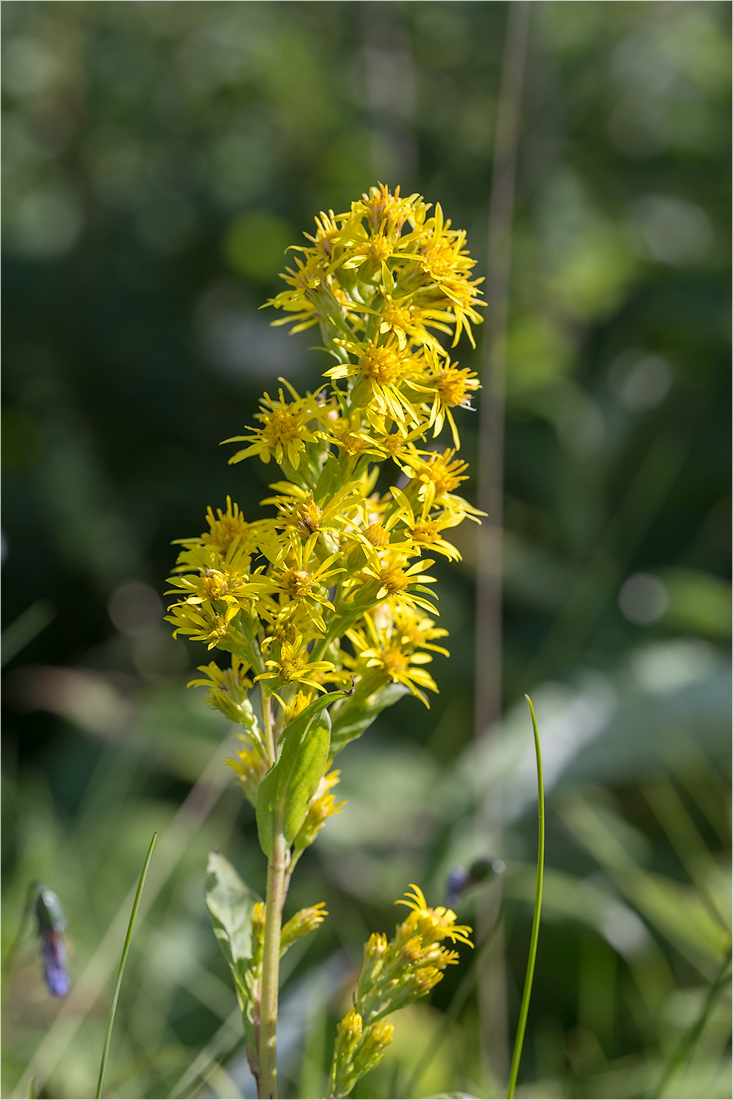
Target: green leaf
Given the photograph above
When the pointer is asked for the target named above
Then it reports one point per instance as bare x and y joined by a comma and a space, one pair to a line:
286, 790
230, 903
354, 716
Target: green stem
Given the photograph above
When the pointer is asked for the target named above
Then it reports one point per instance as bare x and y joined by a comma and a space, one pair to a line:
121, 967
268, 723
519, 1040
276, 889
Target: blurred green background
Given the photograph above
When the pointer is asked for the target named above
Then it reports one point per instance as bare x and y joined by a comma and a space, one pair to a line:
159, 157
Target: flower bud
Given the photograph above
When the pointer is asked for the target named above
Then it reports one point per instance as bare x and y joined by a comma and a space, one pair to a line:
258, 933
329, 543
305, 921
373, 1046
376, 946
343, 1077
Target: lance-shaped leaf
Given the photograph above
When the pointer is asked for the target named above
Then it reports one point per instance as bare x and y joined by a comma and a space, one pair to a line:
230, 903
286, 790
354, 716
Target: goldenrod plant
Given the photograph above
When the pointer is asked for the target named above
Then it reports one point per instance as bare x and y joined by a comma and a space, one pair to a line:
324, 606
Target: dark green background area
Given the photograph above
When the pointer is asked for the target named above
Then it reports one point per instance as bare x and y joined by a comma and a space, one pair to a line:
158, 160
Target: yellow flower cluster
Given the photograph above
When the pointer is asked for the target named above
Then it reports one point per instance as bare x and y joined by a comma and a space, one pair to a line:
334, 583
393, 975
356, 1051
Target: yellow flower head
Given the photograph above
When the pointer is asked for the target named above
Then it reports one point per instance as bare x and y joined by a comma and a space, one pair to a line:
451, 388
304, 582
444, 260
395, 579
285, 429
228, 690
228, 531
227, 527
431, 925
380, 371
202, 622
387, 212
326, 230
389, 645
294, 666
218, 577
296, 706
440, 473
312, 293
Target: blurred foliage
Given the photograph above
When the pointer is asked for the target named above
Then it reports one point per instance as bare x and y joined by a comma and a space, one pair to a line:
158, 159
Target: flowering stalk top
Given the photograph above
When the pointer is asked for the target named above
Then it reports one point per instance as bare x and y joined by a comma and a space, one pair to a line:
333, 587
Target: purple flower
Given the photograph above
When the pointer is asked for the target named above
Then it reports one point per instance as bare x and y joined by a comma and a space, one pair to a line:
53, 954
458, 879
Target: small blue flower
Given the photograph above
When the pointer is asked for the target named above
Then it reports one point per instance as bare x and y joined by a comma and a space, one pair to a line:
455, 885
53, 954
51, 924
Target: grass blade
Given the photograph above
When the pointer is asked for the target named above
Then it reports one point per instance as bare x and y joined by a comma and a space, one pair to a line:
687, 1045
121, 967
524, 1009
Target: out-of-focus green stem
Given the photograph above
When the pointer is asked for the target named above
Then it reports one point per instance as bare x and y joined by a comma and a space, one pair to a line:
524, 1009
276, 889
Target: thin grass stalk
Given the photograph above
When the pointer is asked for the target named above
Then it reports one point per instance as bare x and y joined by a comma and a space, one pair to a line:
691, 1036
121, 968
524, 1009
